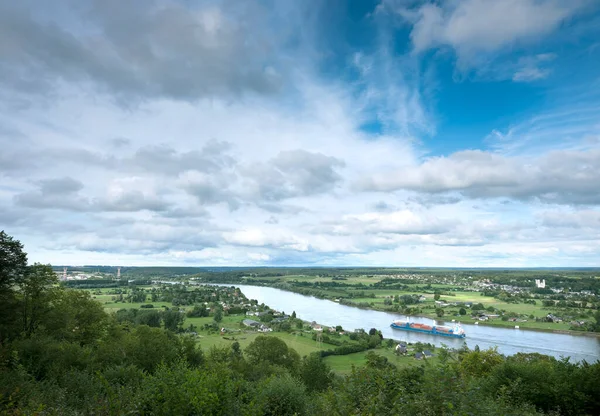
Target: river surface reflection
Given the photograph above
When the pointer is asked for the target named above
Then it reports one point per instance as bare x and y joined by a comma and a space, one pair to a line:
509, 341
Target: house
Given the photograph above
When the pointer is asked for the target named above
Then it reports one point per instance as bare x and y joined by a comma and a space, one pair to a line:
401, 349
427, 354
264, 328
280, 319
316, 326
251, 323
418, 356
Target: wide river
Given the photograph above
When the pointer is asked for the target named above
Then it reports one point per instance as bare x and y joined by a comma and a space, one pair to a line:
509, 341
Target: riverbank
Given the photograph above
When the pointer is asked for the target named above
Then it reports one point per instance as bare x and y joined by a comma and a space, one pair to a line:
335, 296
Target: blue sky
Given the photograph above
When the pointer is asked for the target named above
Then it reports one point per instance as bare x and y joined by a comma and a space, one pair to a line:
391, 132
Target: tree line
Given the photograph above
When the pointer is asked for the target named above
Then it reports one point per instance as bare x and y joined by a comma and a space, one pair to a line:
61, 354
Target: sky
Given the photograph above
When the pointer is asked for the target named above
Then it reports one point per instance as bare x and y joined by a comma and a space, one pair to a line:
458, 133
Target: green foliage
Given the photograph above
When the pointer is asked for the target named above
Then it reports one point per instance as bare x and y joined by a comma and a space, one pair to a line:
61, 354
177, 389
197, 312
173, 319
462, 311
315, 373
36, 295
272, 350
280, 396
479, 363
75, 317
218, 316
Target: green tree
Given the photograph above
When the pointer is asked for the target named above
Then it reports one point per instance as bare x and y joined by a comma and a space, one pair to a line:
281, 396
36, 292
76, 317
439, 312
436, 296
13, 264
597, 318
462, 311
272, 350
218, 315
198, 311
479, 363
315, 373
150, 318
173, 320
294, 315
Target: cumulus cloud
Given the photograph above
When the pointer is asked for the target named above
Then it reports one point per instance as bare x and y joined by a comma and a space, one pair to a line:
293, 173
173, 132
572, 219
473, 26
147, 49
212, 157
563, 177
63, 193
275, 238
397, 222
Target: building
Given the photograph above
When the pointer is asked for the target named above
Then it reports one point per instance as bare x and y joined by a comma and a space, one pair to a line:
540, 284
401, 349
251, 323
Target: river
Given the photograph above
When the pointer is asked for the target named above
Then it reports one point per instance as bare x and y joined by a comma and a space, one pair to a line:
509, 341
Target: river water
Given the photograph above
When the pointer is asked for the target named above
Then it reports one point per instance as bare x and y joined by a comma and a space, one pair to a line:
509, 341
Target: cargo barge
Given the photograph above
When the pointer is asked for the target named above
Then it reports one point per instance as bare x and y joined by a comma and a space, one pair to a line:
455, 332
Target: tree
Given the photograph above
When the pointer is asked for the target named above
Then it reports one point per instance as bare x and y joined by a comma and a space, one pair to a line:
462, 311
294, 315
272, 350
597, 318
173, 320
13, 263
75, 316
198, 311
36, 292
439, 312
315, 373
436, 296
479, 363
150, 318
281, 396
218, 315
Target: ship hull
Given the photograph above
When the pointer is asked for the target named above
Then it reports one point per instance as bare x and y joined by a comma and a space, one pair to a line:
427, 331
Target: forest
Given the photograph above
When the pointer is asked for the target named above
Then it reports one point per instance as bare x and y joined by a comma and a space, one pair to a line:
61, 353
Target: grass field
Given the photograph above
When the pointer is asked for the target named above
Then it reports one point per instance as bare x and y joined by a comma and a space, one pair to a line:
342, 364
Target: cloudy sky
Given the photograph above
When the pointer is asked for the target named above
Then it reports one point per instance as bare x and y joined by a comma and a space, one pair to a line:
283, 132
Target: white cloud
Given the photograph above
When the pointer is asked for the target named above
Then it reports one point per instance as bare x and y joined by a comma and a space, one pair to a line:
563, 177
474, 29
530, 68
228, 147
